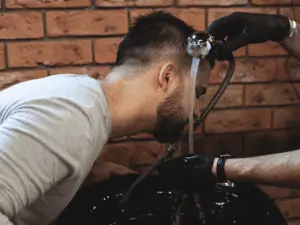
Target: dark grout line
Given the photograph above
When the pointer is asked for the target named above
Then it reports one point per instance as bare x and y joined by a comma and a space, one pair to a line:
6, 66
93, 7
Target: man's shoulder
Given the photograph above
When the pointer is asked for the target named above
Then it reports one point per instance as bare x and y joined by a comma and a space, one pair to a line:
62, 94
70, 86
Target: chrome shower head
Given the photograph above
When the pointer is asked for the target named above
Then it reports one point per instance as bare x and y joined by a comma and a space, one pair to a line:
199, 44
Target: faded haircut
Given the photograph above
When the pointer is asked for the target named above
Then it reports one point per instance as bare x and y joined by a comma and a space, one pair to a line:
154, 37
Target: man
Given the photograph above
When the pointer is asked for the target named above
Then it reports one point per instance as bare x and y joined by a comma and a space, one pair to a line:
242, 29
52, 129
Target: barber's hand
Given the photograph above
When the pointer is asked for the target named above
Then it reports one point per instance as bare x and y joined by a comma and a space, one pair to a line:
242, 29
188, 171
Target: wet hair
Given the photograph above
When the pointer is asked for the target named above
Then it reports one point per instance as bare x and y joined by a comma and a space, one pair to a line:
153, 37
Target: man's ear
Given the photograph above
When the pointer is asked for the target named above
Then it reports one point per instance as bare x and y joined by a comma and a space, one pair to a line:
166, 74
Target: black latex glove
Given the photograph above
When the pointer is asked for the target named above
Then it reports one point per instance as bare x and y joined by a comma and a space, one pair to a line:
188, 172
242, 29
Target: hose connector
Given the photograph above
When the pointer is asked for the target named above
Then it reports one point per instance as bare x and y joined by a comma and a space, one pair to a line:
199, 44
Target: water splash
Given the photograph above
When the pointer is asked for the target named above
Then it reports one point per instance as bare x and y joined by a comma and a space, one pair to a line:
194, 70
176, 220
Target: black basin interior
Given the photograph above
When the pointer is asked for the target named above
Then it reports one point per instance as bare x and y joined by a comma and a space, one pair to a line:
152, 203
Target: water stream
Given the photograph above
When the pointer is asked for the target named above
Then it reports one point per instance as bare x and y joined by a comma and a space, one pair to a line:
194, 70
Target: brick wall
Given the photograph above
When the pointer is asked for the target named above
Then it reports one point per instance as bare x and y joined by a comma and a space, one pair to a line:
257, 115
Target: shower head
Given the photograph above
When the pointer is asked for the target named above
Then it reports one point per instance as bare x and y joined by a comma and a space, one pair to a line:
199, 44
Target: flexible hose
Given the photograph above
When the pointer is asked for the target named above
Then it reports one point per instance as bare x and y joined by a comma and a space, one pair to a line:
205, 113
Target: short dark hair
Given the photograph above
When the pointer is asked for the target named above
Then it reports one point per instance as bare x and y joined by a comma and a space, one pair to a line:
152, 36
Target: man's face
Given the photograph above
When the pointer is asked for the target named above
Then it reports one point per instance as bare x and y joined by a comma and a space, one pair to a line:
173, 112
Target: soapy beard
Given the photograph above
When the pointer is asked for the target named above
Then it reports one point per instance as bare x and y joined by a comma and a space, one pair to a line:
170, 121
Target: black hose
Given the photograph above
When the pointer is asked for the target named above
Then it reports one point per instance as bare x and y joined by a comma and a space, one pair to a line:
205, 113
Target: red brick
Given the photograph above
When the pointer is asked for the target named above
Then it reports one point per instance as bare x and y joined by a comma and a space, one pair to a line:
2, 64
294, 192
289, 69
247, 70
270, 94
214, 145
99, 22
240, 52
271, 2
118, 140
134, 13
266, 49
142, 136
212, 2
132, 153
275, 192
192, 16
215, 13
117, 153
289, 207
106, 49
136, 156
292, 13
31, 54
10, 78
224, 121
286, 117
21, 25
293, 222
270, 142
150, 2
47, 4
233, 96
113, 3
98, 72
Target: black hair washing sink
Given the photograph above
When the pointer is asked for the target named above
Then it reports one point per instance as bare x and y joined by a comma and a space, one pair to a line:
152, 203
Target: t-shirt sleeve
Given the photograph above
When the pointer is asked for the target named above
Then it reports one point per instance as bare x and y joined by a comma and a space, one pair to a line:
41, 143
4, 220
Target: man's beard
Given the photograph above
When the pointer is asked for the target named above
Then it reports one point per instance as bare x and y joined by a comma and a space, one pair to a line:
170, 121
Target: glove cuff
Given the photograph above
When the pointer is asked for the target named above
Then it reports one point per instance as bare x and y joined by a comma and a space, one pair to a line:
283, 28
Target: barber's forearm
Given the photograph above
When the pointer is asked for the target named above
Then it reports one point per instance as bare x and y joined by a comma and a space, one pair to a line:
278, 169
292, 44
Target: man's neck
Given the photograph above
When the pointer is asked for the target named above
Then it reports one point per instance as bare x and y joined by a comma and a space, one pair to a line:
128, 112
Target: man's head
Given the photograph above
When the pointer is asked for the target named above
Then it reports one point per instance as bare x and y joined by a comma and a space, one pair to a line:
153, 57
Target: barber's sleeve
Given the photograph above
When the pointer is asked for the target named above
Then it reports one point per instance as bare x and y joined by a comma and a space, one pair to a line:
35, 155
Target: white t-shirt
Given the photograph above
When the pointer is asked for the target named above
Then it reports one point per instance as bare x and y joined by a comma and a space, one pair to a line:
51, 131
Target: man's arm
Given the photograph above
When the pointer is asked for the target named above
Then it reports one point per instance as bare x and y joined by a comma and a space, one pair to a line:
281, 169
4, 220
42, 143
292, 44
29, 162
